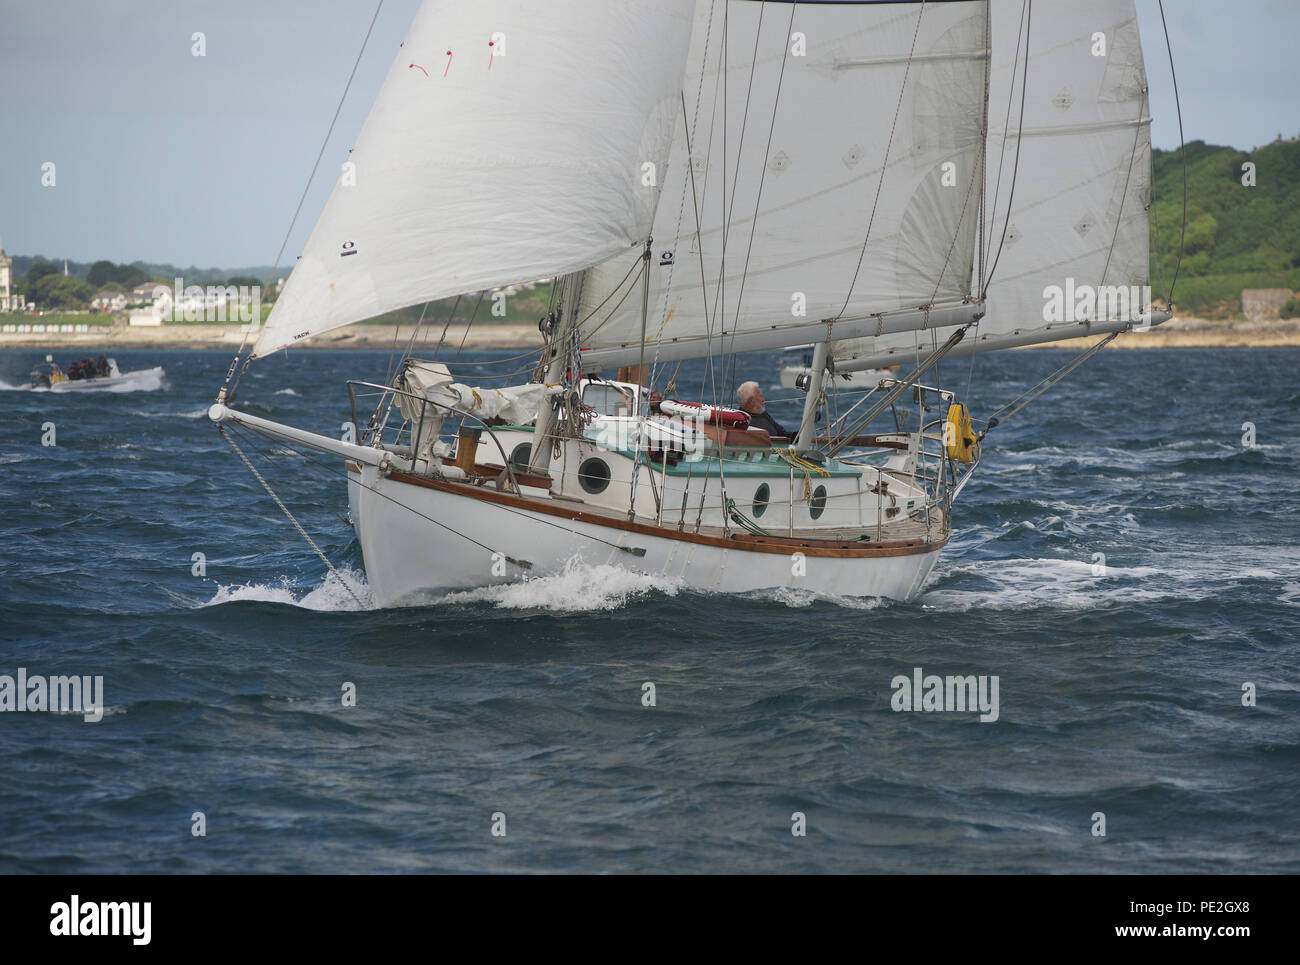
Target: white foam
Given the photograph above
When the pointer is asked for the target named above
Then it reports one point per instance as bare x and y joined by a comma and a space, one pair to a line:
580, 587
1064, 584
195, 414
798, 598
331, 594
1290, 594
286, 392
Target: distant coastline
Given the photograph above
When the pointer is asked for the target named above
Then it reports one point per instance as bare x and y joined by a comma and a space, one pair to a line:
199, 336
1177, 333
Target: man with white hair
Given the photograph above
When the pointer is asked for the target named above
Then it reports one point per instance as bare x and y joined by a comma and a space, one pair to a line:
751, 400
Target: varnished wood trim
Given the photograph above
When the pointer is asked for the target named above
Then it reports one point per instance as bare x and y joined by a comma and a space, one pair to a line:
352, 466
743, 542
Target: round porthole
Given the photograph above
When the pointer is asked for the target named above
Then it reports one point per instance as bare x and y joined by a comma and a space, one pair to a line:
817, 505
593, 475
762, 496
520, 455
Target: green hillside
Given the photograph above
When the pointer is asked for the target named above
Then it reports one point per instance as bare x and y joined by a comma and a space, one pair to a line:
1237, 236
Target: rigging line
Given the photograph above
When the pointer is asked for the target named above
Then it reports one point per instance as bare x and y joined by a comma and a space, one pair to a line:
1128, 176
322, 470
699, 247
934, 334
228, 390
1006, 130
613, 311
735, 180
681, 206
970, 376
710, 373
487, 362
406, 353
1182, 150
722, 255
639, 263
470, 324
744, 117
1015, 167
961, 218
328, 133
1047, 383
297, 525
884, 166
767, 150
984, 141
392, 352
443, 337
896, 392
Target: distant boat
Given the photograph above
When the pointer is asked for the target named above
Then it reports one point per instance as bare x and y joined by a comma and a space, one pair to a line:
798, 360
52, 377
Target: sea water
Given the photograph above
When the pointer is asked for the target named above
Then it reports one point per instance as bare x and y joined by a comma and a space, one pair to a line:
1125, 563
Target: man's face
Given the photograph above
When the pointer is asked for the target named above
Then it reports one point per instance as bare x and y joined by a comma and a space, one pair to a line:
754, 404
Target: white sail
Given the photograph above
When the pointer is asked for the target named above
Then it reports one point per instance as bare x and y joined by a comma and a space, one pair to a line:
781, 230
480, 165
1078, 216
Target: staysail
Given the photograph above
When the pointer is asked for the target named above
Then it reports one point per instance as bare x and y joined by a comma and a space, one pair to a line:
508, 143
1074, 260
831, 154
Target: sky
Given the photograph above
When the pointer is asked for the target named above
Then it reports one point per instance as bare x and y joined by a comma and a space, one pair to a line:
166, 157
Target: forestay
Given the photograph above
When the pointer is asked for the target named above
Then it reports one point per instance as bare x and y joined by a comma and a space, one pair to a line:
1078, 214
480, 165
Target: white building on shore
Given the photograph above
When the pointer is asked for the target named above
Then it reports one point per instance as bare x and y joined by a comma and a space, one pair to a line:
9, 300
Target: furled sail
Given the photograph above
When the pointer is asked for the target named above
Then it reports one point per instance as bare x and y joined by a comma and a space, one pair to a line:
1074, 260
480, 165
791, 113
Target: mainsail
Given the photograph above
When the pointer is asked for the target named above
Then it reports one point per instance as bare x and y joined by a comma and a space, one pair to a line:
1075, 221
831, 155
483, 165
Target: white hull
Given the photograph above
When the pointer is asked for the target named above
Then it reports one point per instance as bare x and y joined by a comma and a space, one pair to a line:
139, 380
413, 539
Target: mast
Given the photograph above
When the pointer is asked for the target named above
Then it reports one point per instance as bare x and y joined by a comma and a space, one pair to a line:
544, 436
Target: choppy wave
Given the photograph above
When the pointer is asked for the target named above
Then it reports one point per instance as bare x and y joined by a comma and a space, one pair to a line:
579, 588
1119, 688
330, 594
1058, 583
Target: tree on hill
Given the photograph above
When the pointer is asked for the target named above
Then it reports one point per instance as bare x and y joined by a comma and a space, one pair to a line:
1239, 234
103, 272
59, 292
38, 270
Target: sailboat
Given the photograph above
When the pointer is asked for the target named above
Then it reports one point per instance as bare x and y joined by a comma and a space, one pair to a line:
894, 183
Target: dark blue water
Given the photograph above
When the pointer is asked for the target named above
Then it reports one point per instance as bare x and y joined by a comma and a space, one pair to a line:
1120, 693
